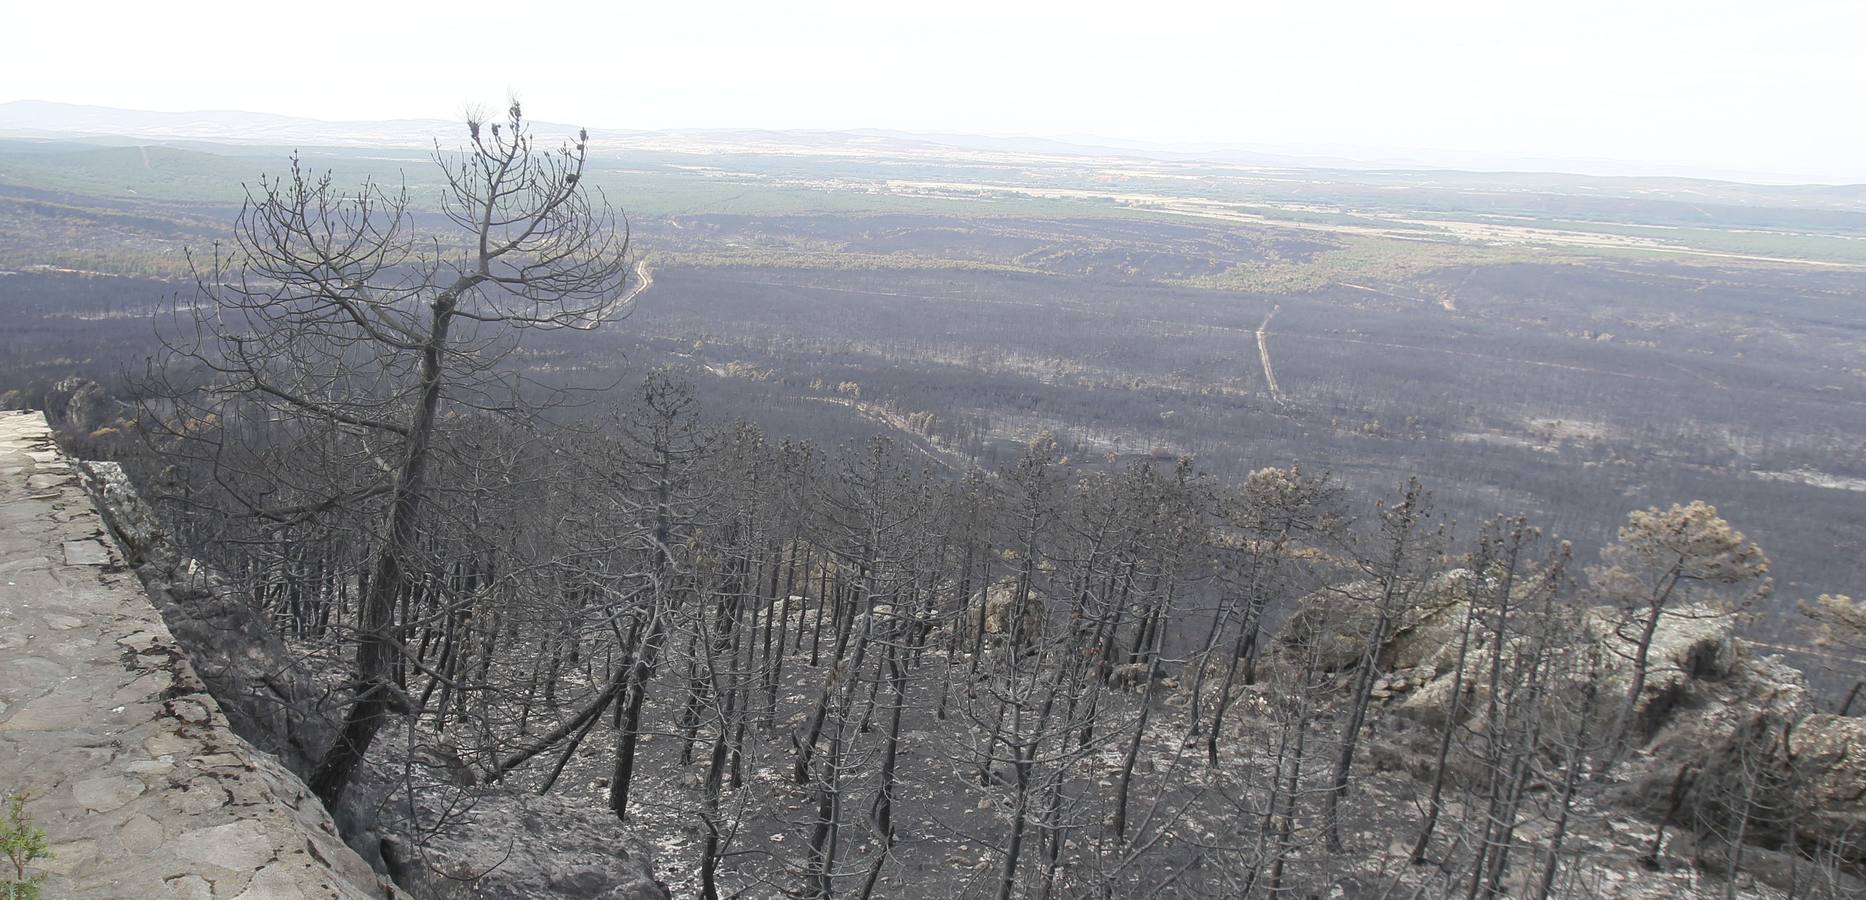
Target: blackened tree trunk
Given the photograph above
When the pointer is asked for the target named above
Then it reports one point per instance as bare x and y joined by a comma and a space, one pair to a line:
378, 643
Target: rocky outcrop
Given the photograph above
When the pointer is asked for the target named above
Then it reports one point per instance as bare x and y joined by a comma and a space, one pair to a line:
505, 845
79, 406
1825, 756
1694, 654
1738, 725
1001, 613
439, 835
1330, 627
1750, 752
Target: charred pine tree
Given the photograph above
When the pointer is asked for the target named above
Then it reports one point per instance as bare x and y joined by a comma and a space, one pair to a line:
1684, 560
1275, 508
669, 441
1405, 546
334, 324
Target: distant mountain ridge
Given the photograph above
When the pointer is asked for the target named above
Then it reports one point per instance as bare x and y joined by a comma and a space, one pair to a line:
46, 119
41, 118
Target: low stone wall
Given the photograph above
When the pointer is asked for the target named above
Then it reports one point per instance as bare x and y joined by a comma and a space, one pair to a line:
129, 765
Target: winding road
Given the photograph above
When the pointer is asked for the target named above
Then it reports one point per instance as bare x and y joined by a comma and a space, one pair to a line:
1263, 353
644, 279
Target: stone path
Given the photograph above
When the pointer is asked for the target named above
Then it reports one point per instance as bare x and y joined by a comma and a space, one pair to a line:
128, 764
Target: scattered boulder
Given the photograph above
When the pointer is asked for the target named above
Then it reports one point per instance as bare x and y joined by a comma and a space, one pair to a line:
1333, 624
1427, 635
78, 406
789, 608
1693, 646
1738, 724
1132, 675
1693, 651
1329, 628
497, 844
1753, 751
1000, 619
1826, 758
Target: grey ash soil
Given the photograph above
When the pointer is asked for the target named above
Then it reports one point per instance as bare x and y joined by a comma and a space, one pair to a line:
1188, 817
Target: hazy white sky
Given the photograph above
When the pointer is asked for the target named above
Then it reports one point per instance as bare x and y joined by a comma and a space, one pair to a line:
1752, 86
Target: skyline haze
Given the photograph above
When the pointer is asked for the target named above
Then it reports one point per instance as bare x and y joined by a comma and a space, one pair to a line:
1722, 89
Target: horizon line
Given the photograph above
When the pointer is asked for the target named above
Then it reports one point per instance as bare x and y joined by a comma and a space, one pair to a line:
1297, 155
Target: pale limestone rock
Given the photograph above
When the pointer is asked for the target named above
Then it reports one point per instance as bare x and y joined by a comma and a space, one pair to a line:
70, 856
106, 793
149, 766
141, 834
86, 553
166, 744
273, 883
235, 846
190, 887
199, 799
53, 712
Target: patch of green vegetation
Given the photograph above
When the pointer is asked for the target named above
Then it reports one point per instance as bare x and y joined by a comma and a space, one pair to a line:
98, 262
1316, 217
128, 209
149, 173
1362, 258
23, 846
172, 174
1782, 245
835, 260
656, 194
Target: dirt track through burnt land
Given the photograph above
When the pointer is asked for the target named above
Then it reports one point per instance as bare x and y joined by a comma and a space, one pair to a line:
1263, 353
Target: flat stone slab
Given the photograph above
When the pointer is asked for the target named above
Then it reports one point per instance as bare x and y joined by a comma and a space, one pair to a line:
127, 763
86, 553
37, 483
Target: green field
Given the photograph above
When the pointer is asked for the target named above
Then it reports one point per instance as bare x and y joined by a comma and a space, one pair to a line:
130, 209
